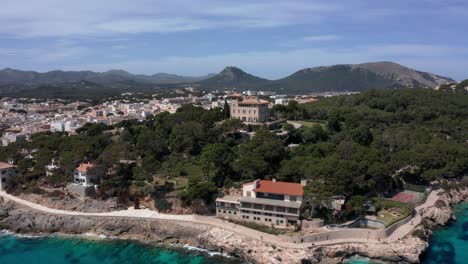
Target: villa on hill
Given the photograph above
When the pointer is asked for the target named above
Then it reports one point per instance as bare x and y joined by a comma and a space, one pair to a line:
264, 202
85, 175
248, 108
86, 178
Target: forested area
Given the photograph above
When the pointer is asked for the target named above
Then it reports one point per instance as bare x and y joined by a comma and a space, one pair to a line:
364, 144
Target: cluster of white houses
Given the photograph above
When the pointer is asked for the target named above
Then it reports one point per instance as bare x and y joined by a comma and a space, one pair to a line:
266, 202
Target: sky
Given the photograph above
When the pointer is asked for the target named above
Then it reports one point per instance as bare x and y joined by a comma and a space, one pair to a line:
268, 38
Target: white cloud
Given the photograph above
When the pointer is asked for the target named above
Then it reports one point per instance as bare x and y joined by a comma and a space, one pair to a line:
322, 38
56, 18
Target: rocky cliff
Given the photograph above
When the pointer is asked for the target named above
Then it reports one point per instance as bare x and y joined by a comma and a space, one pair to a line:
24, 220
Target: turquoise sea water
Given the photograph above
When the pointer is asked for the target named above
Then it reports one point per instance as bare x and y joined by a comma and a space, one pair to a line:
448, 245
58, 250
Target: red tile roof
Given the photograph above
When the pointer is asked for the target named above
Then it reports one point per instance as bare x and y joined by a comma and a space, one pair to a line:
287, 188
83, 168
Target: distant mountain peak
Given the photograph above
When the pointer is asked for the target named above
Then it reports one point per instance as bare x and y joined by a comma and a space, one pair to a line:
232, 77
231, 70
117, 72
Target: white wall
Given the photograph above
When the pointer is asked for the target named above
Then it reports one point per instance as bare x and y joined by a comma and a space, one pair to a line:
248, 188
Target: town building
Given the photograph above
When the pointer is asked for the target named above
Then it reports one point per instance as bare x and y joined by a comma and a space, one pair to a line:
265, 202
248, 109
9, 137
7, 174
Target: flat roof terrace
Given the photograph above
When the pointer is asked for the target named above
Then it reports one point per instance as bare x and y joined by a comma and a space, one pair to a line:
229, 199
270, 202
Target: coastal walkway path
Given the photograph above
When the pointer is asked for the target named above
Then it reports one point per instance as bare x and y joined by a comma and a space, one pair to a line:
281, 241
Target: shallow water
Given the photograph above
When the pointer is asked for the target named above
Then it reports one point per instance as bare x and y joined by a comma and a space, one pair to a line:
59, 250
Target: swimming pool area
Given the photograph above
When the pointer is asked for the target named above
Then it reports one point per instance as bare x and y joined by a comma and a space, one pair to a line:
360, 223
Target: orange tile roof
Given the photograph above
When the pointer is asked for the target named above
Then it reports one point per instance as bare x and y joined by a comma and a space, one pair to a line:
287, 188
83, 168
4, 165
254, 101
234, 95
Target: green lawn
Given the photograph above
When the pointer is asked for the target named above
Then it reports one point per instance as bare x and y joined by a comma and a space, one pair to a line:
401, 211
311, 123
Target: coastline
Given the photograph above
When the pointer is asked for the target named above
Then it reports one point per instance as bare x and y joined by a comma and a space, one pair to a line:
22, 220
97, 238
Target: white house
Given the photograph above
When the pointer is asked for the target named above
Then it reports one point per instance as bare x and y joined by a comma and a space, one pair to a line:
85, 176
7, 173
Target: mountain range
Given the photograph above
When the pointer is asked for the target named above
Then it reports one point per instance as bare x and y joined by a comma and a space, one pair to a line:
343, 77
32, 78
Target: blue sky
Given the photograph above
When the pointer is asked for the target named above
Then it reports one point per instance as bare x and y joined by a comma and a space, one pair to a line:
268, 38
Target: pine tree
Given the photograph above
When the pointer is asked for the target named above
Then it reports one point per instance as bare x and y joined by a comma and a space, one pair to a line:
226, 110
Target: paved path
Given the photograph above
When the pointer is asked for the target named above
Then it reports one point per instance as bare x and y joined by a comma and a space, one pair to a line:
238, 229
405, 229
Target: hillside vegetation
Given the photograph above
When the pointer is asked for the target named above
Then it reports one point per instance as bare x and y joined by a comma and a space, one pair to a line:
365, 144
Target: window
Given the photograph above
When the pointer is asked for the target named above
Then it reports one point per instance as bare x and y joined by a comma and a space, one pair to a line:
3, 179
280, 209
292, 198
249, 193
235, 213
229, 212
219, 211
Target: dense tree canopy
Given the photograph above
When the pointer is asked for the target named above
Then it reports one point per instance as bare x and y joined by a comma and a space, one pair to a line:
369, 143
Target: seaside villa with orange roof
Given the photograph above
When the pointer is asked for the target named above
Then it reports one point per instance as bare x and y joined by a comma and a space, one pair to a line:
265, 202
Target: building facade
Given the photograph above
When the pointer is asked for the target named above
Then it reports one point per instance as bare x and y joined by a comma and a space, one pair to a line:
7, 174
248, 109
265, 202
